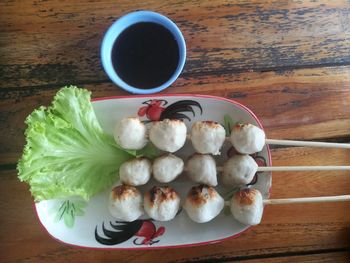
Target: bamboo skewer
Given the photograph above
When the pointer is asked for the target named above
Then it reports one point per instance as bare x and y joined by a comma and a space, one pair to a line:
308, 143
302, 168
296, 168
304, 200
319, 199
300, 143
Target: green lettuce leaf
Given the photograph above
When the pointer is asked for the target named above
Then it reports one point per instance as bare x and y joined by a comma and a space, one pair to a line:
67, 153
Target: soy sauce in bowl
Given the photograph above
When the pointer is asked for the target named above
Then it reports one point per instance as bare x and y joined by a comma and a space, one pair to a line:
145, 55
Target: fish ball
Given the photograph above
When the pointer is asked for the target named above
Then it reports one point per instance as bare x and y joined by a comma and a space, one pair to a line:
207, 137
239, 170
136, 171
168, 135
247, 206
125, 203
203, 203
167, 167
161, 203
201, 168
130, 133
247, 138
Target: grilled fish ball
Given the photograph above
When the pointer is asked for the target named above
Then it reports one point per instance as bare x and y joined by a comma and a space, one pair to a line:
207, 137
168, 135
161, 203
136, 171
203, 203
130, 133
247, 206
247, 138
167, 167
125, 203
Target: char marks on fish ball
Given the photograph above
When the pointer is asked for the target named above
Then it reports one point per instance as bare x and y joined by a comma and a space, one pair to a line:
161, 203
247, 206
203, 203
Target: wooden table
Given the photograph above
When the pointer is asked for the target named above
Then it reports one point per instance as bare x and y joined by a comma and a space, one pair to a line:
286, 60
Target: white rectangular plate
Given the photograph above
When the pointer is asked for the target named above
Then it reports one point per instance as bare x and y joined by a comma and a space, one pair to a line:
81, 224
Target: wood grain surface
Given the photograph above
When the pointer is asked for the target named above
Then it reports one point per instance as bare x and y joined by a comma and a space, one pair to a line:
286, 230
288, 61
299, 97
54, 42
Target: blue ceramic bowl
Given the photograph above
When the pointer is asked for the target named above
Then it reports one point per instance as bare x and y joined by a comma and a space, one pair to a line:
126, 21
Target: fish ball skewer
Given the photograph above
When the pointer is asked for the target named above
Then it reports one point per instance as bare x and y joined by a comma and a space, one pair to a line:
247, 205
240, 169
248, 139
169, 135
201, 168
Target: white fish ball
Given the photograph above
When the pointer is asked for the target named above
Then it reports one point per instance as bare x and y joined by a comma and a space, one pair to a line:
239, 170
136, 171
125, 203
247, 206
167, 168
207, 137
130, 133
161, 203
203, 203
247, 138
168, 135
201, 168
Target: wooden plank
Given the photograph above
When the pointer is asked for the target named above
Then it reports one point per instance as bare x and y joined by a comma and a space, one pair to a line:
58, 42
288, 103
287, 230
308, 184
313, 258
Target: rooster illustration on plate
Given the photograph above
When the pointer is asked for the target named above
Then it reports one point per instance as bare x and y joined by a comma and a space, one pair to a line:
156, 110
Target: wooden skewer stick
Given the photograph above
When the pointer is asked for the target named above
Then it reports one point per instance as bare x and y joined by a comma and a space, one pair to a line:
300, 143
302, 168
308, 143
297, 168
301, 200
320, 199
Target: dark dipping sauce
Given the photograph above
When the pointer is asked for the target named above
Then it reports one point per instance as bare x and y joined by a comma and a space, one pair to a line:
145, 55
